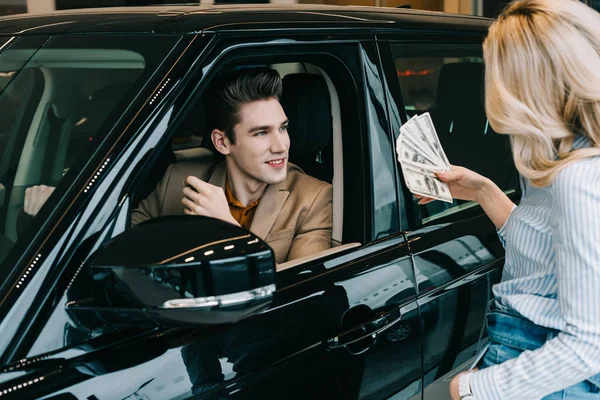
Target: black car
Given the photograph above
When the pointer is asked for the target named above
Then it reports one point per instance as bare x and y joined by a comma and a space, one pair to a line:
98, 103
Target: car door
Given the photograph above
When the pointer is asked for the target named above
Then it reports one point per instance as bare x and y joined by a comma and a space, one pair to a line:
343, 325
368, 345
457, 253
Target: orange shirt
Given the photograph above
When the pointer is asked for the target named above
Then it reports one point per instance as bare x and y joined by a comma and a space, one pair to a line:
243, 215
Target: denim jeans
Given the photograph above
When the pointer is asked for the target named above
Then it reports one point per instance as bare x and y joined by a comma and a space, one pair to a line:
510, 334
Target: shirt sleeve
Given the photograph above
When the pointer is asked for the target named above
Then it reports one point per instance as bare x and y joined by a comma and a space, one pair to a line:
574, 355
502, 230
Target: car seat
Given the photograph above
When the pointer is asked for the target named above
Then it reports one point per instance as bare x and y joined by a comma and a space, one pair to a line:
306, 102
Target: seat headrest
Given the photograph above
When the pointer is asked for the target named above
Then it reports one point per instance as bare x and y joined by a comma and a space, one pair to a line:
109, 96
306, 102
97, 108
461, 85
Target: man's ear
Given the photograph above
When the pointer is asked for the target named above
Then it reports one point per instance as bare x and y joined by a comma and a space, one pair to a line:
220, 141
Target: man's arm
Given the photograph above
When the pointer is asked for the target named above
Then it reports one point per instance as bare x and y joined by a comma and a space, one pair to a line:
314, 232
151, 206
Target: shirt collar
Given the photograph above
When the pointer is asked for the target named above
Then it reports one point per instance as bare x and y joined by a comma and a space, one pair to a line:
580, 142
232, 201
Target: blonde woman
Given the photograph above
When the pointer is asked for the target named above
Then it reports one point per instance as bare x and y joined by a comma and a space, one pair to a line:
543, 89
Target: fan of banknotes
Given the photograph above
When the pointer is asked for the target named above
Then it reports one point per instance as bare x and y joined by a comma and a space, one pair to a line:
420, 155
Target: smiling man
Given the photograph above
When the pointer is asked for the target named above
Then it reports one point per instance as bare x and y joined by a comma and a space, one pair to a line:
255, 186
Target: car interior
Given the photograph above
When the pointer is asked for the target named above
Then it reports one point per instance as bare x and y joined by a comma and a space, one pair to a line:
311, 102
452, 91
55, 105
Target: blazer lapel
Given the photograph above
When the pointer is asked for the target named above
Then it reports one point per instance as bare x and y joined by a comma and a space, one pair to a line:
268, 209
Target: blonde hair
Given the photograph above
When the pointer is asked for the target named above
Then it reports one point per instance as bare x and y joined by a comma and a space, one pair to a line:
542, 83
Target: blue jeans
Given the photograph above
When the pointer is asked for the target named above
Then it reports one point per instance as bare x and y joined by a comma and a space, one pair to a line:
510, 334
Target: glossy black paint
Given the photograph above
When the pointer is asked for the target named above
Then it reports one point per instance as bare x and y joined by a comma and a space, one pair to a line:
384, 319
189, 19
459, 263
200, 241
225, 269
383, 194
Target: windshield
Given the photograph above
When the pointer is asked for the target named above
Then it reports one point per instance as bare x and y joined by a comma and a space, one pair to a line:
58, 96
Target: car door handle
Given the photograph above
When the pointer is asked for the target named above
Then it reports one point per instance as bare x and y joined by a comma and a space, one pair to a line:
371, 328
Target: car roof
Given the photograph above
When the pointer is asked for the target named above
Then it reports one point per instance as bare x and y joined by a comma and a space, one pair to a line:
194, 19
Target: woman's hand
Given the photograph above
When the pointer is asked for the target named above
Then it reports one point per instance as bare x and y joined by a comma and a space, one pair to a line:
463, 183
454, 385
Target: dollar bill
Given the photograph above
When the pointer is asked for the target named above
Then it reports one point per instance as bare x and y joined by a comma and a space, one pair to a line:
412, 134
428, 129
420, 155
407, 152
427, 168
426, 184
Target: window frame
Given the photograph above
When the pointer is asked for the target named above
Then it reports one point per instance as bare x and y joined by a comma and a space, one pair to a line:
232, 48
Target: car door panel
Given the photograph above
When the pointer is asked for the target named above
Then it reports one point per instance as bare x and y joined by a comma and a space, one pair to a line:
392, 351
391, 365
288, 349
351, 360
456, 265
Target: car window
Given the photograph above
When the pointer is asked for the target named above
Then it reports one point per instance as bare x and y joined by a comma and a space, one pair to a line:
55, 96
311, 102
448, 83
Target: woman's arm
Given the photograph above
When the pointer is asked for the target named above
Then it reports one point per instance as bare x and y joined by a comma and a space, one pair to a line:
465, 184
574, 355
495, 203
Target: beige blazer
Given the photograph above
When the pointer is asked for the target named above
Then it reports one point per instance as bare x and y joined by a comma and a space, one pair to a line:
294, 217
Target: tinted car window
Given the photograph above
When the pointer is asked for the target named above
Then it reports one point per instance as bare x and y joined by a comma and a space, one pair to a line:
448, 83
56, 95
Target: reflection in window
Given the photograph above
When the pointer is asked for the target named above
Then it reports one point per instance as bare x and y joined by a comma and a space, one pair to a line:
447, 261
451, 88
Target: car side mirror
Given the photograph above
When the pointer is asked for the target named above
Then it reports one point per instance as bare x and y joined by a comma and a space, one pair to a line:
179, 270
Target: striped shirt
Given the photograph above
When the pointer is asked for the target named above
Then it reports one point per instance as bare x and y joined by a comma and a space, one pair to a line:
552, 277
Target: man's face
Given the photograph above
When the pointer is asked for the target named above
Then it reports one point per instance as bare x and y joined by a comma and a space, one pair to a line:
262, 142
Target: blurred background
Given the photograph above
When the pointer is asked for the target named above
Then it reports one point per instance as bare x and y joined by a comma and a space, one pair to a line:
487, 8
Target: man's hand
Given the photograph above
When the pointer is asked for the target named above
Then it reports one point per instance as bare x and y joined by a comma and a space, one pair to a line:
35, 197
201, 198
454, 384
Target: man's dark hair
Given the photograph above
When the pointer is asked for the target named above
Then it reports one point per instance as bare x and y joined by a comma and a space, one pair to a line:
233, 90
